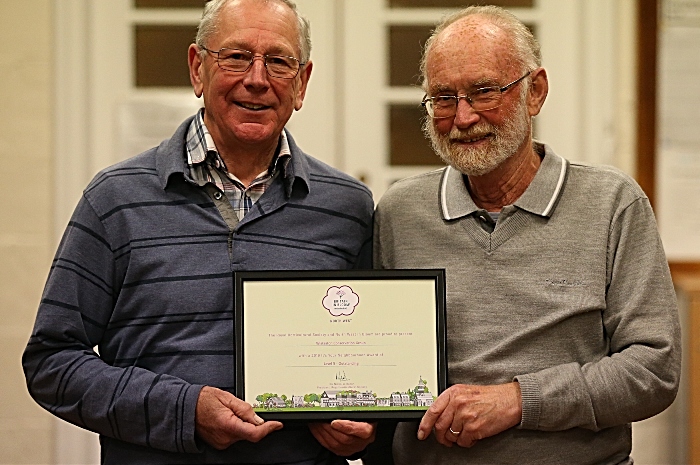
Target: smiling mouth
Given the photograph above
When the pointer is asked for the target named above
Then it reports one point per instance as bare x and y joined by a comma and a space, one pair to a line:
473, 139
252, 106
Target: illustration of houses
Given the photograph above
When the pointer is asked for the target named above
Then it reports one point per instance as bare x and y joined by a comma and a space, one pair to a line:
400, 399
422, 386
329, 399
419, 397
347, 399
275, 402
366, 399
383, 402
423, 397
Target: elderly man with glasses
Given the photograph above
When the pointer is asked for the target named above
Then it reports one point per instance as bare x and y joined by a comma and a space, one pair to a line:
143, 272
562, 320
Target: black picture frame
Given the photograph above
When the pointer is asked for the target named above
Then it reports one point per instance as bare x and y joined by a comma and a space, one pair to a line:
347, 407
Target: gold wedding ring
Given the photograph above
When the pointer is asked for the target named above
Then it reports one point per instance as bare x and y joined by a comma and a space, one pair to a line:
454, 432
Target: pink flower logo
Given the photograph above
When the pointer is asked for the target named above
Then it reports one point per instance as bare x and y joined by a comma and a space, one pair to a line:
340, 301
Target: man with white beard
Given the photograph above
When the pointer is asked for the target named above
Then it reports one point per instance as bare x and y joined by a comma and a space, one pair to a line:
562, 322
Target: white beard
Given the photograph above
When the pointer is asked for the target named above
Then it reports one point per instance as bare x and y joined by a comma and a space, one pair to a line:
477, 161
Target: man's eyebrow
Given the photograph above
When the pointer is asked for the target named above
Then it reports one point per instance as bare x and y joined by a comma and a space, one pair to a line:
440, 88
484, 82
479, 83
274, 50
280, 51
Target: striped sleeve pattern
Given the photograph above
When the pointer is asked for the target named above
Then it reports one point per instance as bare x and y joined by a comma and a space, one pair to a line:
114, 394
144, 275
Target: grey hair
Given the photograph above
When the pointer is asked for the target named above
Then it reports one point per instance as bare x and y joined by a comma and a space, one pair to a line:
527, 49
208, 23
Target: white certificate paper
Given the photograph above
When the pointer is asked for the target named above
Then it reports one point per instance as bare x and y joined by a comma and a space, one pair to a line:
340, 344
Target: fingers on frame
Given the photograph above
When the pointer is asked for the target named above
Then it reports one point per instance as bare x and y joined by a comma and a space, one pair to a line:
436, 415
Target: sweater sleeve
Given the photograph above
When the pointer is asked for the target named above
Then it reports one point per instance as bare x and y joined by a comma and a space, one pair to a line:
67, 376
640, 375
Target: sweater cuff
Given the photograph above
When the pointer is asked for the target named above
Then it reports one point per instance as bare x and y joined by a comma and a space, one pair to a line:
190, 440
530, 395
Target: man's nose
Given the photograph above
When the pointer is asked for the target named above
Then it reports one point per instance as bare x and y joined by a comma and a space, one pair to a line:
257, 72
465, 114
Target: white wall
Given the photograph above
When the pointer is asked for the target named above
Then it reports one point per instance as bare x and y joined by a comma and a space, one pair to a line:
26, 241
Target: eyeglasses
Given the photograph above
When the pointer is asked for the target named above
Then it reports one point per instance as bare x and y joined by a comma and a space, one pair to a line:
482, 99
239, 61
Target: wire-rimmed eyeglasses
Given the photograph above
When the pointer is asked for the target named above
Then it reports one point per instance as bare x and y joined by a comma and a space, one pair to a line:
481, 99
239, 61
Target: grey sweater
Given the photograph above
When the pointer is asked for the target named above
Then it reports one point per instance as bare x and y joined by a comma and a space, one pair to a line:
144, 272
570, 295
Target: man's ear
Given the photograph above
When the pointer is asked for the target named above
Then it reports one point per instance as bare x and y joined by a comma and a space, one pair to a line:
194, 60
304, 76
537, 94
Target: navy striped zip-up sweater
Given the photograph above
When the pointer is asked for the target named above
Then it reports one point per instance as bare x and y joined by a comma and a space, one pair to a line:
144, 273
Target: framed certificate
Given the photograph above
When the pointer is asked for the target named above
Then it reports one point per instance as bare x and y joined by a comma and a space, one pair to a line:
319, 345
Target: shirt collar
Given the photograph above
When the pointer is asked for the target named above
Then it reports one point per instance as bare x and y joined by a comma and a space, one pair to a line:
198, 142
199, 145
540, 198
171, 158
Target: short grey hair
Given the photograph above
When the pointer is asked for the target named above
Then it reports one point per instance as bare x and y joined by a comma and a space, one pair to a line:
208, 23
527, 49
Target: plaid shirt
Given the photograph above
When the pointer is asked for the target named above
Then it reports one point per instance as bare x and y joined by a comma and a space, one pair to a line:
207, 166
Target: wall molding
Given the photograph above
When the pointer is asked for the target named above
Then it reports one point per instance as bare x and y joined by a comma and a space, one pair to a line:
647, 56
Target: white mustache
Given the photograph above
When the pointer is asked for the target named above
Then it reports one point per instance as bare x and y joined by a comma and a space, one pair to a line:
471, 134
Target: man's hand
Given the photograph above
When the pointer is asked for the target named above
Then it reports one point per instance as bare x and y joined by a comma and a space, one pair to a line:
222, 419
463, 414
344, 437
